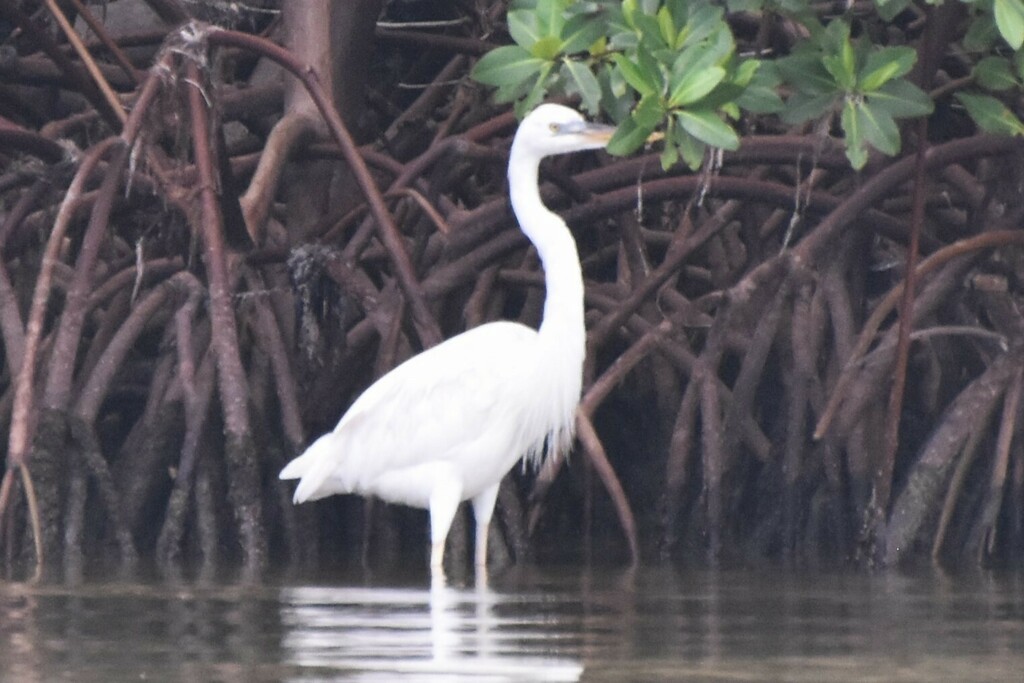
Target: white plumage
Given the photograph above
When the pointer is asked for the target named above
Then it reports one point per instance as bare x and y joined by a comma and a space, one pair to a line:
448, 424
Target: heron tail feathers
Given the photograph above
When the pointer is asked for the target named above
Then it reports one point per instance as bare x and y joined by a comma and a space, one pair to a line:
313, 468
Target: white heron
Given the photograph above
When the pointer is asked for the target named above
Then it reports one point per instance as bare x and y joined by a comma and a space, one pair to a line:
447, 425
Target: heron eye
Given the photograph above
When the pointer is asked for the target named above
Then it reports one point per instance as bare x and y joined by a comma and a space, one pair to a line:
554, 127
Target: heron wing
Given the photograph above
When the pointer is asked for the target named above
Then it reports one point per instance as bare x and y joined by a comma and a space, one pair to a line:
441, 405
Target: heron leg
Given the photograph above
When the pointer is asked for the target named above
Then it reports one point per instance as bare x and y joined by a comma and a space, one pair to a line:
483, 509
444, 501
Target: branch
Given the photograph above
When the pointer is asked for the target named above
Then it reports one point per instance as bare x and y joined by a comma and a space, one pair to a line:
430, 333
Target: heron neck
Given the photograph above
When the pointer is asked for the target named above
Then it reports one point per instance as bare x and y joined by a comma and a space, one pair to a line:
563, 305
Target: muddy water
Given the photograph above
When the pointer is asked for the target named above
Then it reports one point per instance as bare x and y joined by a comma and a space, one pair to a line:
525, 625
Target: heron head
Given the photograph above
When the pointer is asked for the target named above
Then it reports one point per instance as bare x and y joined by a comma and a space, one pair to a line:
555, 129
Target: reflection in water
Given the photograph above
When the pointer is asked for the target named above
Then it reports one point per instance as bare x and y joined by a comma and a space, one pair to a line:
656, 625
441, 634
122, 632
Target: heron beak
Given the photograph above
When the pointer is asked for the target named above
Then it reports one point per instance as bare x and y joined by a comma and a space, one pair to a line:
598, 132
601, 133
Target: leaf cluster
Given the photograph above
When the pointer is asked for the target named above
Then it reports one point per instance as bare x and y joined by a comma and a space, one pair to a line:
648, 64
864, 83
674, 66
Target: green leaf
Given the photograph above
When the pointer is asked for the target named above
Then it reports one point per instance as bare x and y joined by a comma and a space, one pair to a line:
995, 73
547, 48
991, 115
639, 79
901, 99
1009, 15
615, 103
745, 5
649, 112
981, 34
699, 57
888, 9
805, 71
882, 66
695, 85
513, 92
707, 126
507, 65
686, 62
666, 26
760, 96
650, 32
856, 150
524, 27
759, 99
703, 22
691, 148
745, 72
580, 80
669, 157
878, 128
638, 20
551, 14
624, 41
580, 33
842, 66
718, 48
801, 107
628, 138
679, 11
833, 37
537, 92
613, 82
630, 11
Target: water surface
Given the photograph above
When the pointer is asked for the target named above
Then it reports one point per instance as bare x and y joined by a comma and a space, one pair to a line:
525, 625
